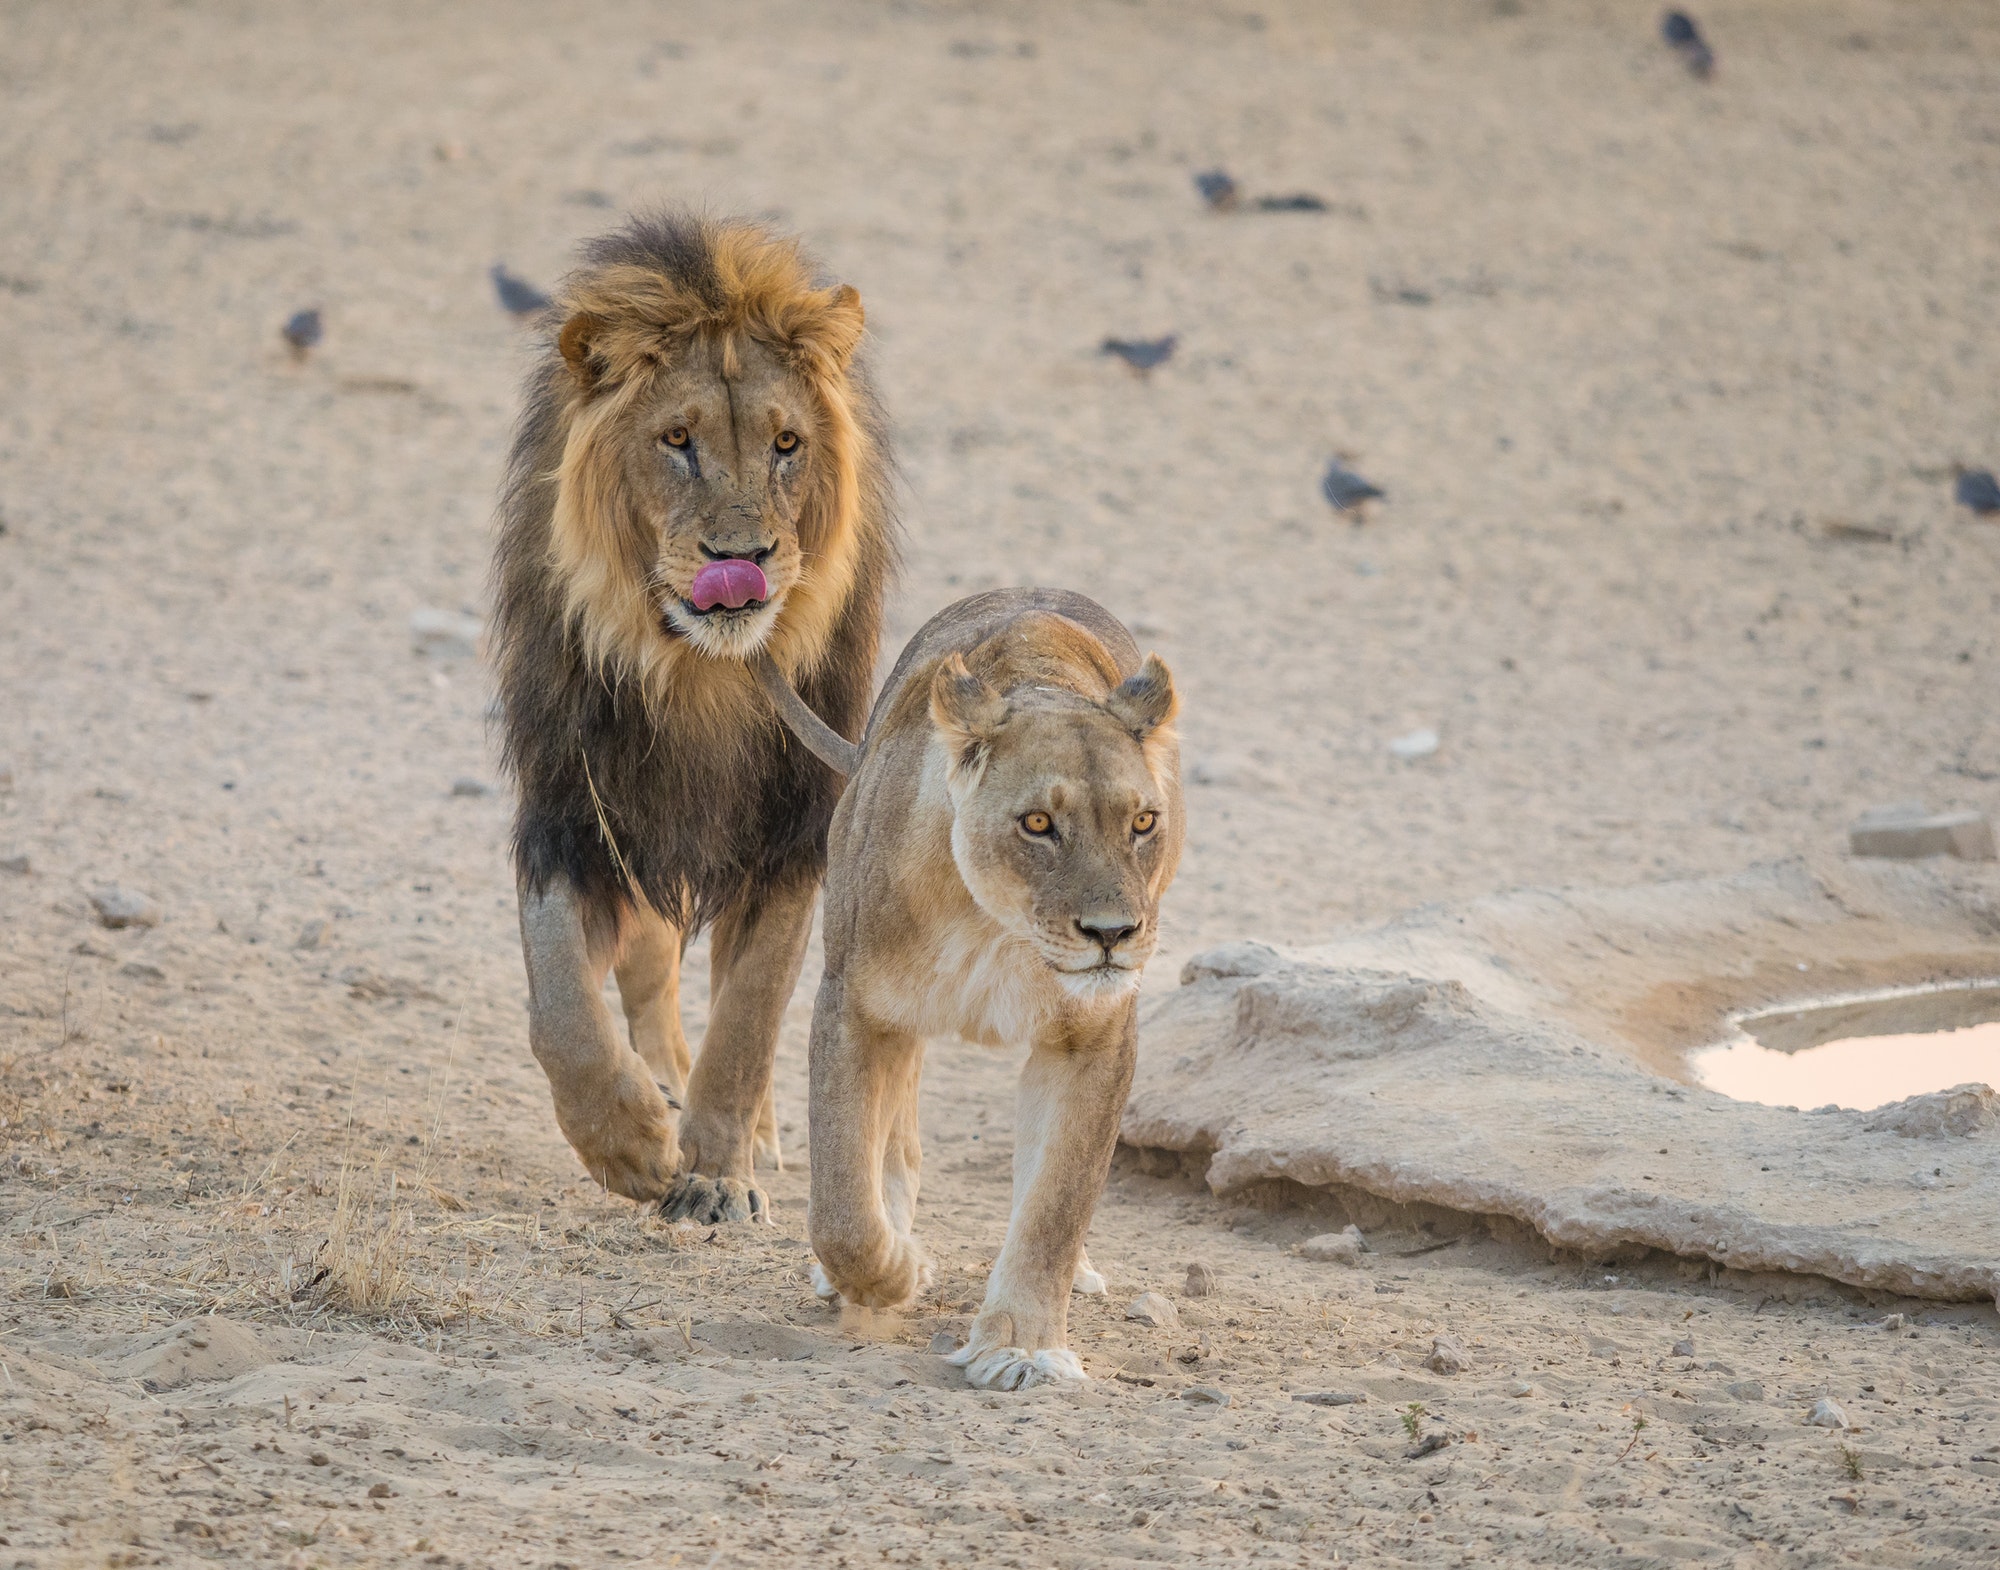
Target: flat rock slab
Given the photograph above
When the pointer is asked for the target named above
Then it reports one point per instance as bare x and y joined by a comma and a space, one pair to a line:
1522, 1057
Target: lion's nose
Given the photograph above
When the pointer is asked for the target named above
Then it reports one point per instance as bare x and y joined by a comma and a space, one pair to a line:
1107, 929
757, 554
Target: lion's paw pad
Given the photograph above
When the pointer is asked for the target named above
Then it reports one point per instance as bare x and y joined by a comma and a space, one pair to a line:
1016, 1368
708, 1201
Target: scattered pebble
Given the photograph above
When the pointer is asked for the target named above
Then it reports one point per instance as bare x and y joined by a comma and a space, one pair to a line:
1346, 489
517, 296
1745, 1390
1864, 533
1683, 36
303, 331
1896, 1322
1297, 202
1907, 830
1205, 1395
1217, 189
1150, 1308
310, 934
381, 1491
118, 907
466, 785
1520, 1390
433, 631
1335, 1248
1201, 1281
1448, 1356
1684, 1347
1415, 744
1142, 354
1429, 1445
16, 863
1977, 489
139, 970
944, 1341
1331, 1397
1826, 1413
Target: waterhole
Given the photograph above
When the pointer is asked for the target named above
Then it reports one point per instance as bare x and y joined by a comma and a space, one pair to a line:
1860, 1052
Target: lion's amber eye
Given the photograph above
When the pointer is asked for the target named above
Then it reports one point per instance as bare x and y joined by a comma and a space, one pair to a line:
677, 437
1037, 823
1143, 823
787, 440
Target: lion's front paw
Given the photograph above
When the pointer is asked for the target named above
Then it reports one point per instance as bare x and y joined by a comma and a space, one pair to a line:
708, 1201
1016, 1368
623, 1133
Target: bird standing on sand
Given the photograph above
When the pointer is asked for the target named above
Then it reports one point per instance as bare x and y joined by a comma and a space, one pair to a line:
1142, 354
1684, 38
1978, 490
302, 331
1346, 489
517, 296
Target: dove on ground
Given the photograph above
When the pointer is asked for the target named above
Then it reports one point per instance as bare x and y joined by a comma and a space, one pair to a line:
1346, 489
1142, 354
303, 331
1978, 490
1684, 37
517, 295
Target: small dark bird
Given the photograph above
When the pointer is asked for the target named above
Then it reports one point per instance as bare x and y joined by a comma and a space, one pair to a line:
518, 297
1684, 37
1142, 354
1978, 490
303, 331
1301, 202
1346, 489
1217, 189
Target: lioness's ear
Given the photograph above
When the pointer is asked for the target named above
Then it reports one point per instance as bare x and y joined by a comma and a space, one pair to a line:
575, 345
967, 712
1145, 701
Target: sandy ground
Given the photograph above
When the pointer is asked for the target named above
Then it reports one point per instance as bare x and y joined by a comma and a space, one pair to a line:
1626, 350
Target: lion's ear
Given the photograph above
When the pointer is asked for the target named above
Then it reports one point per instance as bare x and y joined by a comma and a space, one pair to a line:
575, 345
835, 329
967, 712
1145, 702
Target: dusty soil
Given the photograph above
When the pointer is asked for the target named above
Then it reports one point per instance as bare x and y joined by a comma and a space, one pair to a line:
1664, 379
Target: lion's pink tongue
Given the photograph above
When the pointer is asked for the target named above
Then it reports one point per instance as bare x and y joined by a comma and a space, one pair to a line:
732, 583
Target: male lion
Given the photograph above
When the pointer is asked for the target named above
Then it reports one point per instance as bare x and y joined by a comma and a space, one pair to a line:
698, 480
996, 871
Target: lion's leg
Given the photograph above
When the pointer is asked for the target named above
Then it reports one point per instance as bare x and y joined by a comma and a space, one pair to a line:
764, 1148
606, 1102
865, 1157
649, 988
1067, 1124
757, 949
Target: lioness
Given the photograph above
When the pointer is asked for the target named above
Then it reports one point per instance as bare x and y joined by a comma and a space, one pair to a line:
995, 872
698, 480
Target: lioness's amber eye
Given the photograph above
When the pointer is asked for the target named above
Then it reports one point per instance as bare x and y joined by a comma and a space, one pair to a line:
787, 440
677, 437
1037, 823
1143, 824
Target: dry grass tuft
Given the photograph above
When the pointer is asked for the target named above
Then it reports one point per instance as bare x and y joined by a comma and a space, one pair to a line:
364, 1263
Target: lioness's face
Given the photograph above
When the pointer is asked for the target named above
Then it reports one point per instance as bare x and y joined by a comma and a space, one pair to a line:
1063, 832
718, 468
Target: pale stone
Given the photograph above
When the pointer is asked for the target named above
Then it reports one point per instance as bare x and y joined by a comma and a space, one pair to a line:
1906, 831
1826, 1413
119, 907
434, 631
1150, 1308
1335, 1248
1448, 1356
1201, 1281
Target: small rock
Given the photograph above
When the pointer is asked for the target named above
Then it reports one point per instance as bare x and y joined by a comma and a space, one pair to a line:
1895, 1322
1331, 1397
318, 1458
1217, 189
1414, 745
381, 1491
310, 934
1745, 1390
1150, 1308
303, 331
1295, 202
1683, 1347
1142, 354
517, 296
1977, 489
1906, 831
943, 1342
1448, 1356
1335, 1248
1205, 1395
1345, 489
1520, 1390
118, 907
1826, 1413
466, 785
1201, 1281
434, 631
1942, 1114
1683, 36
139, 970
1429, 1445
17, 863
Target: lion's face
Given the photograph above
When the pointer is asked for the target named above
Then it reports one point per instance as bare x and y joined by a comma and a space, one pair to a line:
1062, 823
717, 469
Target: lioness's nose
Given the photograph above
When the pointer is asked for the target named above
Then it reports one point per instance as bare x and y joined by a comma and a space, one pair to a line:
1109, 930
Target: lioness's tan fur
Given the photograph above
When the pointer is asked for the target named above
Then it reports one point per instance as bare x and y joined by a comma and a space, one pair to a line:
946, 913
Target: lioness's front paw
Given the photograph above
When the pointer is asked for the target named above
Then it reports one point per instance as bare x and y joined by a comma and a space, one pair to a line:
623, 1135
889, 1274
1016, 1368
707, 1201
